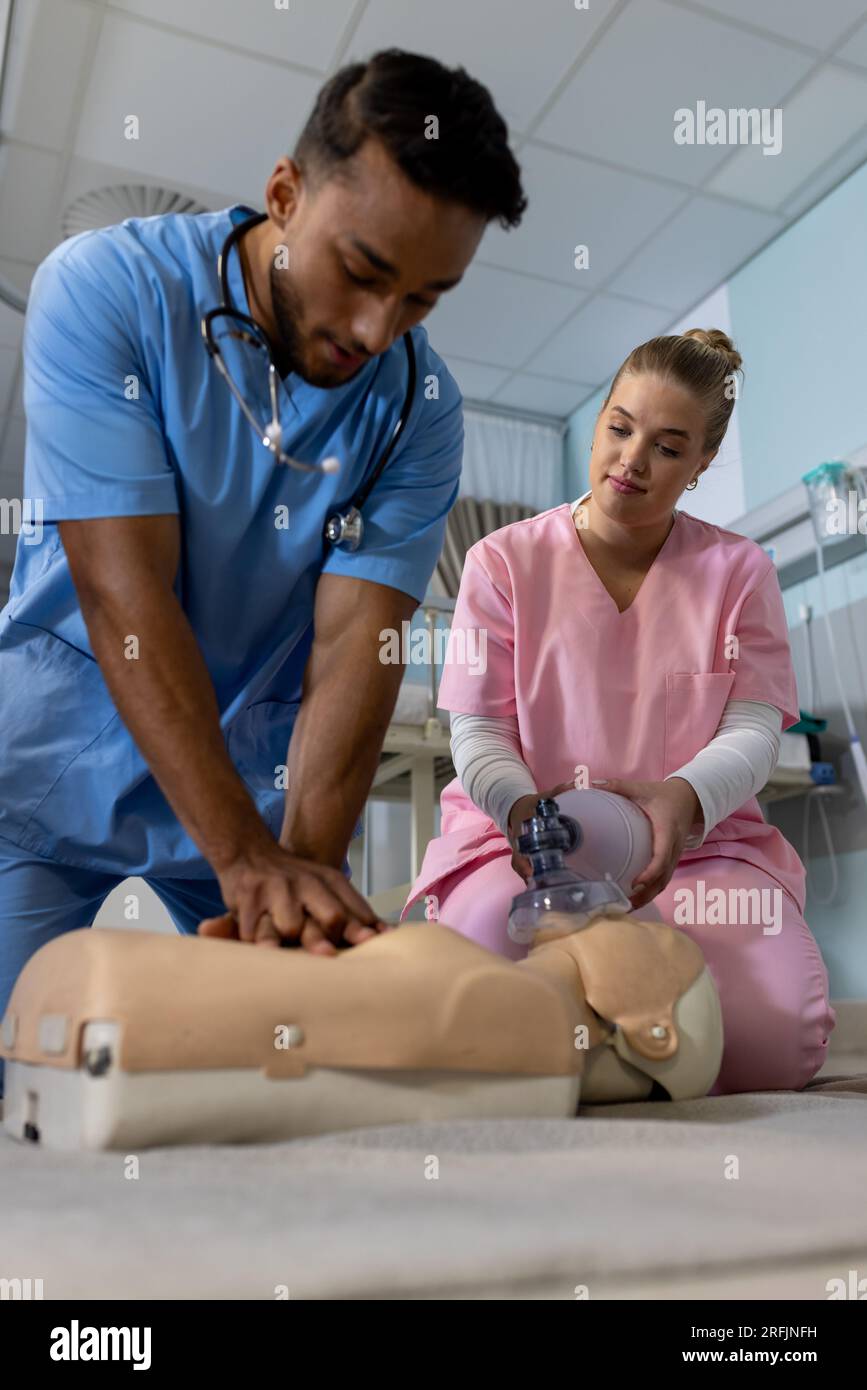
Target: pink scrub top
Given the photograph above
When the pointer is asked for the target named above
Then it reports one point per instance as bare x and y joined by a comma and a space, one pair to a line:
633, 695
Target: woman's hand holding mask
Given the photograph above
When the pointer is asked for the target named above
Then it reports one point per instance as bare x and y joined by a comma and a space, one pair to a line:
522, 809
673, 810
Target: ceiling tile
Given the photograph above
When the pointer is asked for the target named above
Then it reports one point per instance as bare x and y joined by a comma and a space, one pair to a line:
188, 129
519, 55
305, 32
496, 317
855, 50
542, 394
592, 345
571, 202
696, 250
826, 178
520, 331
821, 117
654, 60
713, 311
476, 381
817, 24
29, 179
46, 57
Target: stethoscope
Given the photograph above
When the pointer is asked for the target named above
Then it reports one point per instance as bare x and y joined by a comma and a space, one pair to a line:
343, 529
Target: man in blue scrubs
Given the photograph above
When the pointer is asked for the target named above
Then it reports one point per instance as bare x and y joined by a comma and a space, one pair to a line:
183, 616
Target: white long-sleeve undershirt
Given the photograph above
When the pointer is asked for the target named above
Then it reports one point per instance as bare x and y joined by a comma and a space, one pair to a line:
733, 767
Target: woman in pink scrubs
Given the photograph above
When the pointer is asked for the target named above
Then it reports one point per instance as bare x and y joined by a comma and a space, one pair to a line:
617, 636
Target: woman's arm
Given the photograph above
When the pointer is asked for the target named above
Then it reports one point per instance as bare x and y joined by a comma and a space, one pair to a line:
736, 764
487, 756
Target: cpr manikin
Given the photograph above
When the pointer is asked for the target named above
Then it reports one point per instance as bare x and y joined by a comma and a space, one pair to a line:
123, 1039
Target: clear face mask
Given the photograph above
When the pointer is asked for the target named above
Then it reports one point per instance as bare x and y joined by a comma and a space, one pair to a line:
545, 838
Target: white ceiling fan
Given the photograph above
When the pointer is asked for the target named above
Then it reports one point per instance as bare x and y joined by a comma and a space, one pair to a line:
105, 207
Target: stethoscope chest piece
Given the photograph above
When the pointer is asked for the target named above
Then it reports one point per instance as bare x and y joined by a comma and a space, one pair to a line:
345, 529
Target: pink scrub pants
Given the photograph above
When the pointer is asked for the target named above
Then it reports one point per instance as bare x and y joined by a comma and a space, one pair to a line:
773, 988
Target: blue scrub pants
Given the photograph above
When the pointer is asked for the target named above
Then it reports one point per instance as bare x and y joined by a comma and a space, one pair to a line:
41, 899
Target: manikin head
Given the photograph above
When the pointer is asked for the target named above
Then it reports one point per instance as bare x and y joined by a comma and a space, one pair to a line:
399, 169
662, 422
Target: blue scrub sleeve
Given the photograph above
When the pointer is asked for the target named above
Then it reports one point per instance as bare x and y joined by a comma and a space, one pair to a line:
405, 514
95, 446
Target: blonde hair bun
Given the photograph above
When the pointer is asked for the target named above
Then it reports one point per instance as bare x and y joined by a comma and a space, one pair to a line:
702, 361
720, 342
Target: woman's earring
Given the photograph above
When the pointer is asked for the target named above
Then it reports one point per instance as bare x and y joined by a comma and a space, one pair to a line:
690, 486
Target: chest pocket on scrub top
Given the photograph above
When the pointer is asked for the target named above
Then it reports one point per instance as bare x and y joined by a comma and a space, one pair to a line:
694, 704
257, 741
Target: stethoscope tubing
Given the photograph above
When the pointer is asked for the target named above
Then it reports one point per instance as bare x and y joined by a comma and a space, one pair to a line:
227, 308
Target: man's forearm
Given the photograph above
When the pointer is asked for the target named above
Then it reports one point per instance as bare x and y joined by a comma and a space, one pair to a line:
165, 698
333, 756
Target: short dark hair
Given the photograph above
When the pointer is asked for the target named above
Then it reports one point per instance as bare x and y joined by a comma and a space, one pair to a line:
390, 98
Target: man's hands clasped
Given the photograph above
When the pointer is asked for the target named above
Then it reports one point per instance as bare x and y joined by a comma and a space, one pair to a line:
274, 898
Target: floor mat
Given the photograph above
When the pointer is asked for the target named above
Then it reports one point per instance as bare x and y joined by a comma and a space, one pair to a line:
698, 1195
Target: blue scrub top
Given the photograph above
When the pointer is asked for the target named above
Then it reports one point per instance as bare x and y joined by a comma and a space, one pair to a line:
128, 416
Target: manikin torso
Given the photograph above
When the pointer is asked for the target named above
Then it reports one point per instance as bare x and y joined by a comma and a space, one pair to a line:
610, 1008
